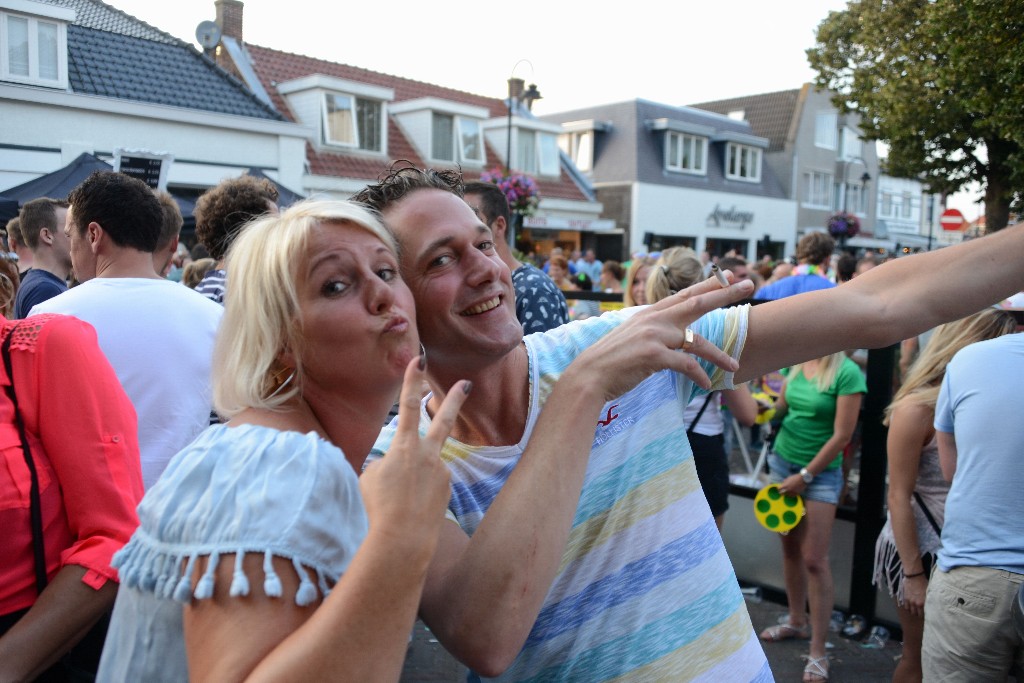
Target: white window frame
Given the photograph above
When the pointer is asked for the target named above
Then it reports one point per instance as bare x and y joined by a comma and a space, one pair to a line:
35, 14
855, 199
543, 159
579, 146
850, 139
751, 155
358, 143
458, 140
816, 182
675, 153
826, 131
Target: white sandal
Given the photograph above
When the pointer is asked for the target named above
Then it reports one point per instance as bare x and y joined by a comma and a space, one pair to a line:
817, 667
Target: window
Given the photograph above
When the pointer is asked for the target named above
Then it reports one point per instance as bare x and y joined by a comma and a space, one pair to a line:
907, 205
687, 153
537, 152
852, 145
33, 49
825, 133
742, 162
855, 200
353, 122
886, 208
818, 190
579, 146
454, 138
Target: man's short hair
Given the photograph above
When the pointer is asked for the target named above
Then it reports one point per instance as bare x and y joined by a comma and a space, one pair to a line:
170, 227
492, 200
224, 209
402, 179
14, 233
815, 248
34, 216
124, 207
731, 262
846, 266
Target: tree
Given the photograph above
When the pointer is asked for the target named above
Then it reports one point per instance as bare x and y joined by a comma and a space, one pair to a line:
941, 82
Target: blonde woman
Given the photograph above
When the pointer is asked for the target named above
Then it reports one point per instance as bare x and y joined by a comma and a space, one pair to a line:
675, 270
908, 542
820, 401
636, 281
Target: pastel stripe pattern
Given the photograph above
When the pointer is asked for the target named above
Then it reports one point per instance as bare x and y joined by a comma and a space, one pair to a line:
645, 590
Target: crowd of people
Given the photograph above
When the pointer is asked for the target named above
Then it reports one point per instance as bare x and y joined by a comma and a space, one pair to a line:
225, 497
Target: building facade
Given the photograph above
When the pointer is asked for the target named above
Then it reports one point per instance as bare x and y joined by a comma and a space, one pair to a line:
79, 76
673, 176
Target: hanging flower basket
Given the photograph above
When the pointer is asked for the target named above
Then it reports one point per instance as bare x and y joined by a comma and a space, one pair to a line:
519, 189
843, 224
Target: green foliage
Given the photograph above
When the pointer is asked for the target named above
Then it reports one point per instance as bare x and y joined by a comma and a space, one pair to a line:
941, 82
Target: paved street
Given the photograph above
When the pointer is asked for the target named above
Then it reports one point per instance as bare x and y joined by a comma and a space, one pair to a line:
429, 663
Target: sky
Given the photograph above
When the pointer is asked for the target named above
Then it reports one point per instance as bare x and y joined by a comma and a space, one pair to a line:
674, 53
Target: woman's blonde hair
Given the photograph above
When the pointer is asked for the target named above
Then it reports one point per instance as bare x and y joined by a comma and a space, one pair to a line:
261, 311
828, 368
634, 268
676, 269
924, 378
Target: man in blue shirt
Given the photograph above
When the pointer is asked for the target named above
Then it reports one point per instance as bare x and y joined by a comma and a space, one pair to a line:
813, 251
42, 227
968, 631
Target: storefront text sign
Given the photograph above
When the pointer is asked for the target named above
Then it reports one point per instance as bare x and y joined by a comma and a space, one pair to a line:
729, 218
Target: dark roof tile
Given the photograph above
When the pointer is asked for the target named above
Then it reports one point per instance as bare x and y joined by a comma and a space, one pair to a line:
132, 68
770, 114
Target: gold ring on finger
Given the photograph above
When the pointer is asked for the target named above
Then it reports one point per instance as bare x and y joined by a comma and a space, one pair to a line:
688, 337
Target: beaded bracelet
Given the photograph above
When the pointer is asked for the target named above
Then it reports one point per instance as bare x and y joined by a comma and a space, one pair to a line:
912, 576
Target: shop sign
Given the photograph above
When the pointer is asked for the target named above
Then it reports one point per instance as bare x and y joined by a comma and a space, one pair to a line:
729, 218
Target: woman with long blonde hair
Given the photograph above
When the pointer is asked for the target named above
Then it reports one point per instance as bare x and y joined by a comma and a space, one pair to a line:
633, 292
676, 269
906, 547
820, 401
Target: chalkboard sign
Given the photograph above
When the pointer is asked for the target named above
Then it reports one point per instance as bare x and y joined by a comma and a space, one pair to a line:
149, 167
146, 170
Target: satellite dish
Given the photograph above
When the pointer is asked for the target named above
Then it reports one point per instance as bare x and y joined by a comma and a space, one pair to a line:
208, 34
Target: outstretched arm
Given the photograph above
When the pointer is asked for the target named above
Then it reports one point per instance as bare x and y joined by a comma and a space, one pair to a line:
886, 304
483, 595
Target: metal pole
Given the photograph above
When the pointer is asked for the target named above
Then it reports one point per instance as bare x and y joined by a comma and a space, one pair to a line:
508, 131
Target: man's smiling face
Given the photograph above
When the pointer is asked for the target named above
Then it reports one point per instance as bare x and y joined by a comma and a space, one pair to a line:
465, 303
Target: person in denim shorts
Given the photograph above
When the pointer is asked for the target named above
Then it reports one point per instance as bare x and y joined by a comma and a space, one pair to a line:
820, 402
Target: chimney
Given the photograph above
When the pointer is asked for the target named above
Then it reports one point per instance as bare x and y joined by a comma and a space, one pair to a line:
515, 89
229, 18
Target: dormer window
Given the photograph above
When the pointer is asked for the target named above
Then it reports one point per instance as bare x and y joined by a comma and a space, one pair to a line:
578, 138
686, 153
346, 114
33, 43
456, 138
351, 121
537, 153
443, 131
742, 162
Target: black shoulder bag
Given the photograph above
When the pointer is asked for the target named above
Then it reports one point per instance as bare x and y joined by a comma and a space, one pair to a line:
81, 662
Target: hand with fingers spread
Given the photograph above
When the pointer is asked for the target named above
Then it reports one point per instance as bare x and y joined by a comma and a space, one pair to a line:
406, 493
658, 338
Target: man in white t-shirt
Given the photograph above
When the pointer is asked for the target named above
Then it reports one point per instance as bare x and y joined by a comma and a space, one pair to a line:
156, 334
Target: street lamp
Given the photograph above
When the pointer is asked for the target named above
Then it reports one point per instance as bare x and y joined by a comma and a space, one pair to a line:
516, 97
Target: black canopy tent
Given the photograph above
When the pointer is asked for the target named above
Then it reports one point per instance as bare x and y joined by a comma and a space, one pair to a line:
58, 184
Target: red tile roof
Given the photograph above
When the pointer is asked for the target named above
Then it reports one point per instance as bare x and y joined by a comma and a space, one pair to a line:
273, 67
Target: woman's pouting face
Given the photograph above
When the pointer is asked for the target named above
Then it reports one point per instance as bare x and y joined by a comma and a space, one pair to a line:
357, 314
638, 289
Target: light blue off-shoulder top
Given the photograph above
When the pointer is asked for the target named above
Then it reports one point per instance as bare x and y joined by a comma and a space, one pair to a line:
234, 490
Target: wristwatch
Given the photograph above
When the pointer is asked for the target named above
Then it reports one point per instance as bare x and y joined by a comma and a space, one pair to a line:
806, 475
